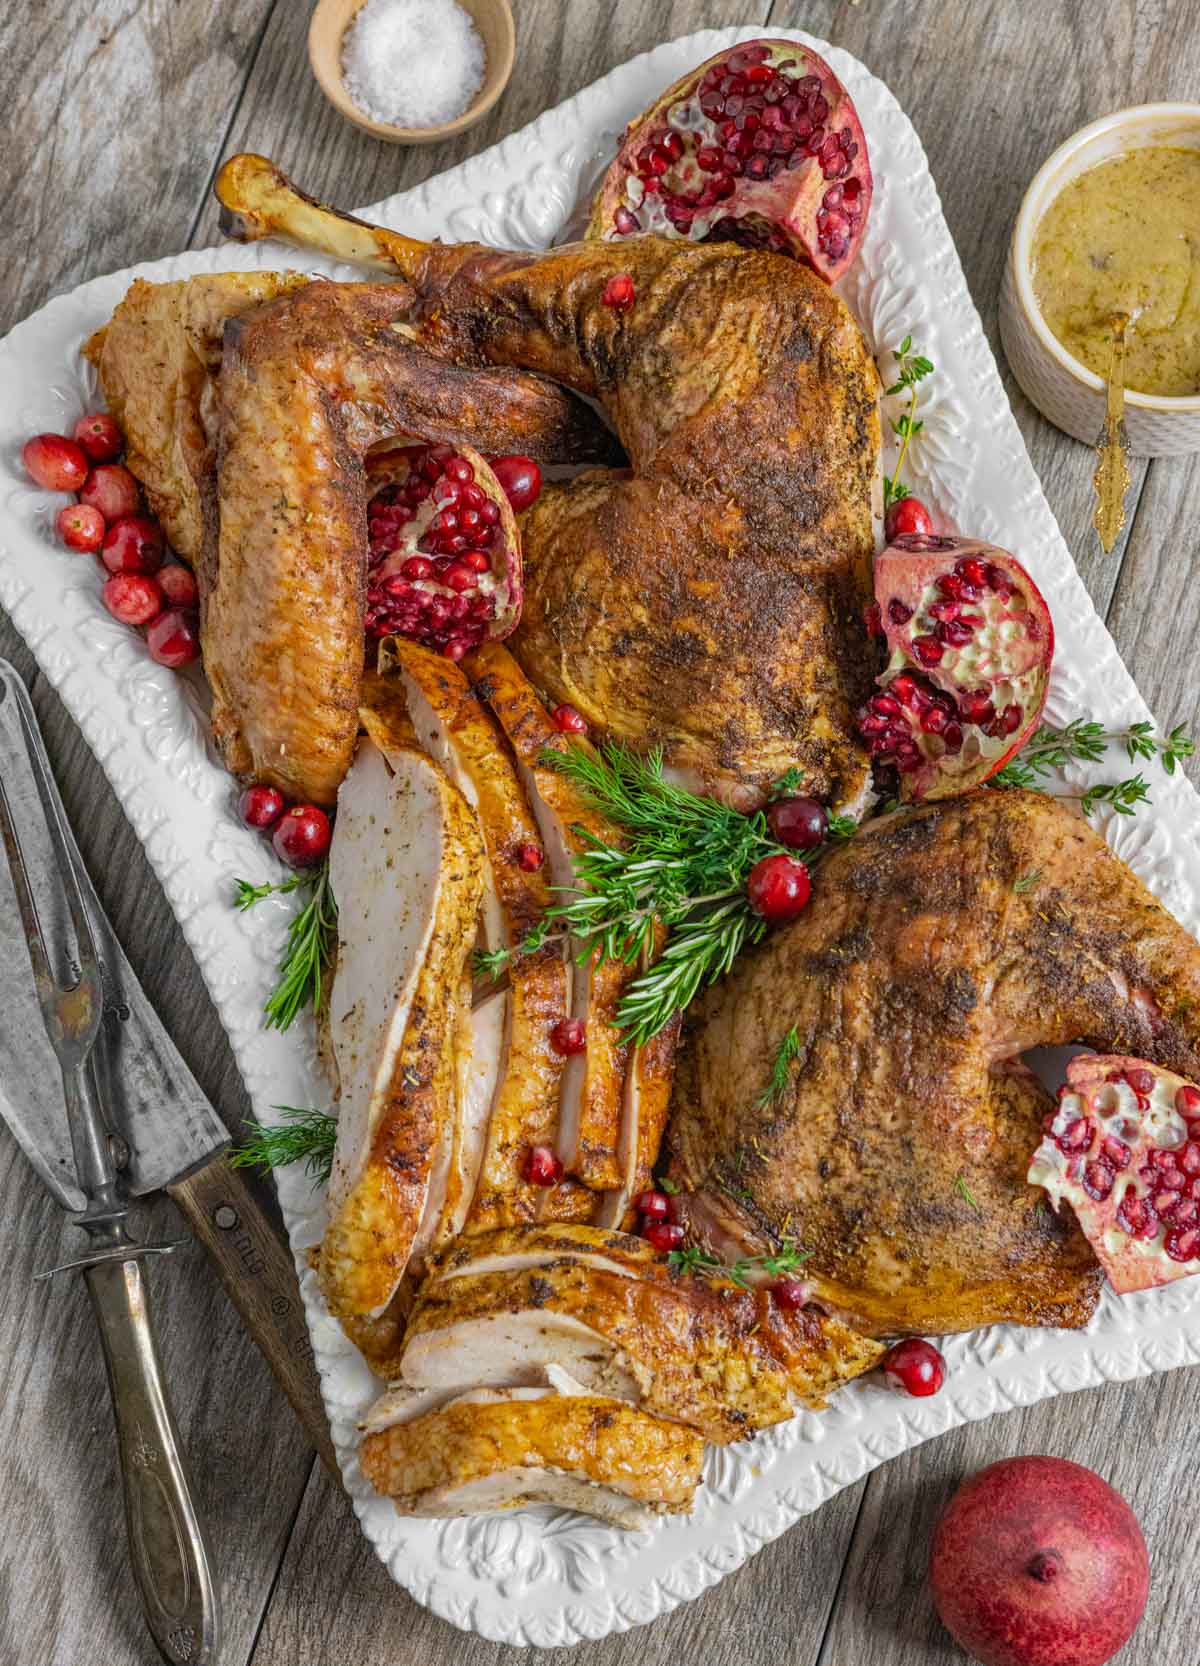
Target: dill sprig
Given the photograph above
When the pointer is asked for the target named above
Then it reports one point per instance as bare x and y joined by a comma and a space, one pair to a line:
911, 369
309, 945
776, 1263
790, 1049
683, 865
1084, 740
305, 1136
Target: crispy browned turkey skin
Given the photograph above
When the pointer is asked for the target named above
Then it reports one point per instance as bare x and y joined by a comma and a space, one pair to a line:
709, 601
898, 1152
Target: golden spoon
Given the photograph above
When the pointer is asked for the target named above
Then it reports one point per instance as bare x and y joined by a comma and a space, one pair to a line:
1111, 478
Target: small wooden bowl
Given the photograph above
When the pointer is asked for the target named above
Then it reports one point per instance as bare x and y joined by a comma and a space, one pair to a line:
493, 19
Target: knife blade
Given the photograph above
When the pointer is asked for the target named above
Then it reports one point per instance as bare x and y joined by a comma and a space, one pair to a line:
170, 1135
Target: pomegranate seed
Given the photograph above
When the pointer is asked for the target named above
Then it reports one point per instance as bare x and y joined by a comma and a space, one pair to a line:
133, 598
178, 585
112, 490
568, 1037
98, 437
301, 836
624, 222
530, 857
778, 888
1117, 1154
260, 807
973, 571
133, 544
618, 292
1187, 1101
542, 1167
80, 527
799, 823
1141, 1081
663, 1236
568, 720
928, 649
914, 1366
653, 1206
976, 707
1165, 1202
1011, 719
907, 515
1098, 1179
873, 619
520, 480
899, 612
54, 462
790, 1293
1077, 1136
1136, 1216
174, 638
1182, 1243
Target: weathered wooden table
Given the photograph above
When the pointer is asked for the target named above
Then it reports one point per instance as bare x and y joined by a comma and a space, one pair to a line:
115, 117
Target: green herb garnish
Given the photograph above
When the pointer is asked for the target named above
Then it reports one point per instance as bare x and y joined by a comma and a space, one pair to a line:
305, 1136
309, 946
1085, 741
960, 1186
776, 1264
790, 1049
911, 369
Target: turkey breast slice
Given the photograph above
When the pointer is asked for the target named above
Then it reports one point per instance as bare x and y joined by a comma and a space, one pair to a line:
459, 732
492, 1452
589, 1129
406, 871
520, 1248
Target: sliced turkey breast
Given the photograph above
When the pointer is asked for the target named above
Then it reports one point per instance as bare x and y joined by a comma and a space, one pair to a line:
458, 731
406, 870
518, 1249
501, 1451
706, 1352
589, 1130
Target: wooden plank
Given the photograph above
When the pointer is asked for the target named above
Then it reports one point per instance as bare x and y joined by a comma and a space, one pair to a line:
1129, 1434
113, 117
336, 1604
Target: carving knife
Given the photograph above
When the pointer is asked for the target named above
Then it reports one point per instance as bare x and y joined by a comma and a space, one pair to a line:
163, 1133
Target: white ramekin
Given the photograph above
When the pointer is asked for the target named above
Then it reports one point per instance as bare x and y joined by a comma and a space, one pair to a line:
1065, 391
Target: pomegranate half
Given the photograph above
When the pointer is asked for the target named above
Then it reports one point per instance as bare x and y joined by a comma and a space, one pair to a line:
444, 565
1123, 1149
760, 146
1038, 1562
970, 642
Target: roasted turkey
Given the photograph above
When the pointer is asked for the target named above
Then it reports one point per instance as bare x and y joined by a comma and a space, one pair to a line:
939, 946
709, 601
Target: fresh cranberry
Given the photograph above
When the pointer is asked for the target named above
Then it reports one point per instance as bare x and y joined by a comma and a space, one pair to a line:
663, 1235
301, 836
133, 598
799, 823
520, 479
907, 515
790, 1293
174, 638
98, 436
80, 527
542, 1167
54, 462
530, 857
914, 1366
260, 807
618, 292
133, 544
568, 1037
568, 720
112, 490
178, 585
653, 1206
778, 888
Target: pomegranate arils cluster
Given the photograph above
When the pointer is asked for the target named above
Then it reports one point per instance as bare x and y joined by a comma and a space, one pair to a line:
1123, 1148
761, 147
442, 559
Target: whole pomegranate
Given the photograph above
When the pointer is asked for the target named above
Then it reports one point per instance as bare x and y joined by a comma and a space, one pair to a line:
1038, 1562
760, 146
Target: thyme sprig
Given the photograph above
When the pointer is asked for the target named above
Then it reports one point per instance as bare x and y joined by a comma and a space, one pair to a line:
683, 866
911, 369
309, 946
776, 1264
1084, 740
304, 1136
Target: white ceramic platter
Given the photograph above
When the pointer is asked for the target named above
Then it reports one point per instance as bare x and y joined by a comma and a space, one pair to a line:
538, 1577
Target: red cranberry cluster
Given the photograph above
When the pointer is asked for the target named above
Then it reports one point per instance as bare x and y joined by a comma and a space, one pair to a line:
300, 833
106, 520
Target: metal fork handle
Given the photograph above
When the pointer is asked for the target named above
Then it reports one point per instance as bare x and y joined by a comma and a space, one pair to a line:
166, 1545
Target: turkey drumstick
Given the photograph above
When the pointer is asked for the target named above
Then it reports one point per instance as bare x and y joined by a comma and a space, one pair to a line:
711, 601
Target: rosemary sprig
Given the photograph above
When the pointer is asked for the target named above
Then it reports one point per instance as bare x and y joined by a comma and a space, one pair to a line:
911, 369
1085, 741
965, 1192
683, 866
1027, 881
776, 1264
309, 945
790, 1049
305, 1136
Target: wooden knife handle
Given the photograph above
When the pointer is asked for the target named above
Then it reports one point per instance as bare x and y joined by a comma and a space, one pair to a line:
259, 1276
